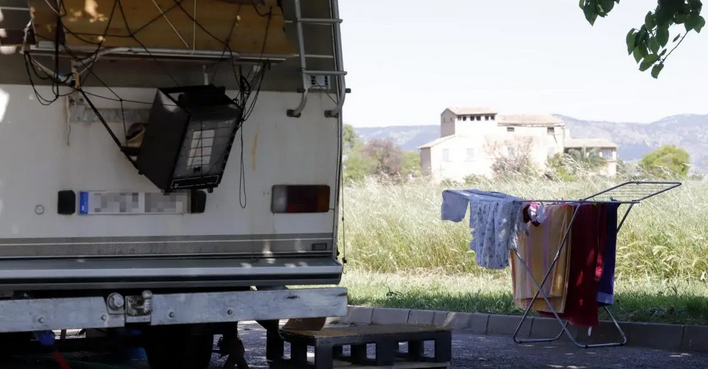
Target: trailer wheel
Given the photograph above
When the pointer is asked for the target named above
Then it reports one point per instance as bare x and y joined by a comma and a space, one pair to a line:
177, 348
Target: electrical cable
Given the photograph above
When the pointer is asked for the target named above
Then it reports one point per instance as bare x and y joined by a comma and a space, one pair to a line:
226, 44
108, 128
245, 89
246, 99
255, 6
57, 82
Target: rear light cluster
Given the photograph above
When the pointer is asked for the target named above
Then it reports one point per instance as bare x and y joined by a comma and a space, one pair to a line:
294, 199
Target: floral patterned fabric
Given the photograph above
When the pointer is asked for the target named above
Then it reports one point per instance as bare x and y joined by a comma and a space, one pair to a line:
495, 219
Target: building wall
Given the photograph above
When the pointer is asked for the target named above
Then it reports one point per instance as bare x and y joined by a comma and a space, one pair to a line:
425, 161
447, 123
545, 141
474, 154
611, 169
479, 142
475, 128
458, 158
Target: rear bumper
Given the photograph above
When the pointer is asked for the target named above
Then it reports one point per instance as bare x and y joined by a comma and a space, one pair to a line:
154, 273
168, 309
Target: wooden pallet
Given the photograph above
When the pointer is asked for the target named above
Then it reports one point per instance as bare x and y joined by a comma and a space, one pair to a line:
329, 346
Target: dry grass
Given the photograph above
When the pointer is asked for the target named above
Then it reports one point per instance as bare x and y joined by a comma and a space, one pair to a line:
401, 254
394, 228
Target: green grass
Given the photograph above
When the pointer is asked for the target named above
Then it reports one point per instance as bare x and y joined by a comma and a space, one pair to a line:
640, 301
401, 255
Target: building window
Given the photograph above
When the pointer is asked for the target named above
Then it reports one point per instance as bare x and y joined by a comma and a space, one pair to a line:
446, 155
607, 154
510, 129
551, 130
470, 154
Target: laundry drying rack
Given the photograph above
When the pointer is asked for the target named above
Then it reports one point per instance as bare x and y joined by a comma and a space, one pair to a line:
628, 193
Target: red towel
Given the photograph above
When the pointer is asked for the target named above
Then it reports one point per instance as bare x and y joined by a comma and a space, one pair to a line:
588, 235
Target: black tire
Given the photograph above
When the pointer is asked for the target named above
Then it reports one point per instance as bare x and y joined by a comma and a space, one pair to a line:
177, 348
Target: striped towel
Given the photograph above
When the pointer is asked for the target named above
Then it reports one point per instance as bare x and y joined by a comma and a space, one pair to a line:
538, 247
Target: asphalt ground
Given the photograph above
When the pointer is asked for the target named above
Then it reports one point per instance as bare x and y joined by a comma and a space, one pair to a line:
469, 351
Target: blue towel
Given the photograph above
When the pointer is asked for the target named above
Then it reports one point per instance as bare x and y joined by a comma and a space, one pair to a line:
605, 287
454, 206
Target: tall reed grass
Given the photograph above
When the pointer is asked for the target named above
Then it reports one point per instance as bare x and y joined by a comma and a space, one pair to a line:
396, 228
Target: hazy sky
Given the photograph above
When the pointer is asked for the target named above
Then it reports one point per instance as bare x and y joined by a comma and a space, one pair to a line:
409, 59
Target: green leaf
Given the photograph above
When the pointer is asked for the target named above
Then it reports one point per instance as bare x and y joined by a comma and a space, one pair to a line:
677, 37
608, 5
590, 8
695, 5
631, 40
663, 52
701, 23
656, 70
654, 45
662, 35
639, 53
685, 8
649, 20
648, 61
642, 35
693, 21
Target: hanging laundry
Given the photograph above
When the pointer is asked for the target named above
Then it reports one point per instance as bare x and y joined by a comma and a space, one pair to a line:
605, 288
588, 237
495, 220
534, 213
538, 247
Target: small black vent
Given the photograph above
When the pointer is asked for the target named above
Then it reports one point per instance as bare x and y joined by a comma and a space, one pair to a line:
66, 204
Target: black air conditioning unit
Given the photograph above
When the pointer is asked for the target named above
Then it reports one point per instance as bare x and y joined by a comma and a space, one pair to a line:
187, 140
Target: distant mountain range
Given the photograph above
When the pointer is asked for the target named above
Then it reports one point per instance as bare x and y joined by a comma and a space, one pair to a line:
687, 131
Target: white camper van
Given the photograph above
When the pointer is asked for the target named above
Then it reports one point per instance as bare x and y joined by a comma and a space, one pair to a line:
174, 179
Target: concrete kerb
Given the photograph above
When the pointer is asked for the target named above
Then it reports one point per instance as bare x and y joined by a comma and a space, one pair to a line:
671, 337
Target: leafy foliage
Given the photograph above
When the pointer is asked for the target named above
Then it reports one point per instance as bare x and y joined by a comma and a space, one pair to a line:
380, 157
666, 162
575, 164
411, 163
351, 139
589, 159
386, 156
649, 44
357, 166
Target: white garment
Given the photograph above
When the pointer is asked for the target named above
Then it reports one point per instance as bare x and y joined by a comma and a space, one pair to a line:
495, 219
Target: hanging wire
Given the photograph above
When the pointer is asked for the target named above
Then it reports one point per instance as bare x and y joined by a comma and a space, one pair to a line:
246, 84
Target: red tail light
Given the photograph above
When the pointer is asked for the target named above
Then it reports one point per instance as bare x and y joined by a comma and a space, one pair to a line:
300, 199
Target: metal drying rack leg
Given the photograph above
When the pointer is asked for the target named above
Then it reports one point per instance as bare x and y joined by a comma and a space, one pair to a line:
636, 198
539, 290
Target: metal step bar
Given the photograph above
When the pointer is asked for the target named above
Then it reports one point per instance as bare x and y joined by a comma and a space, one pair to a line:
338, 73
